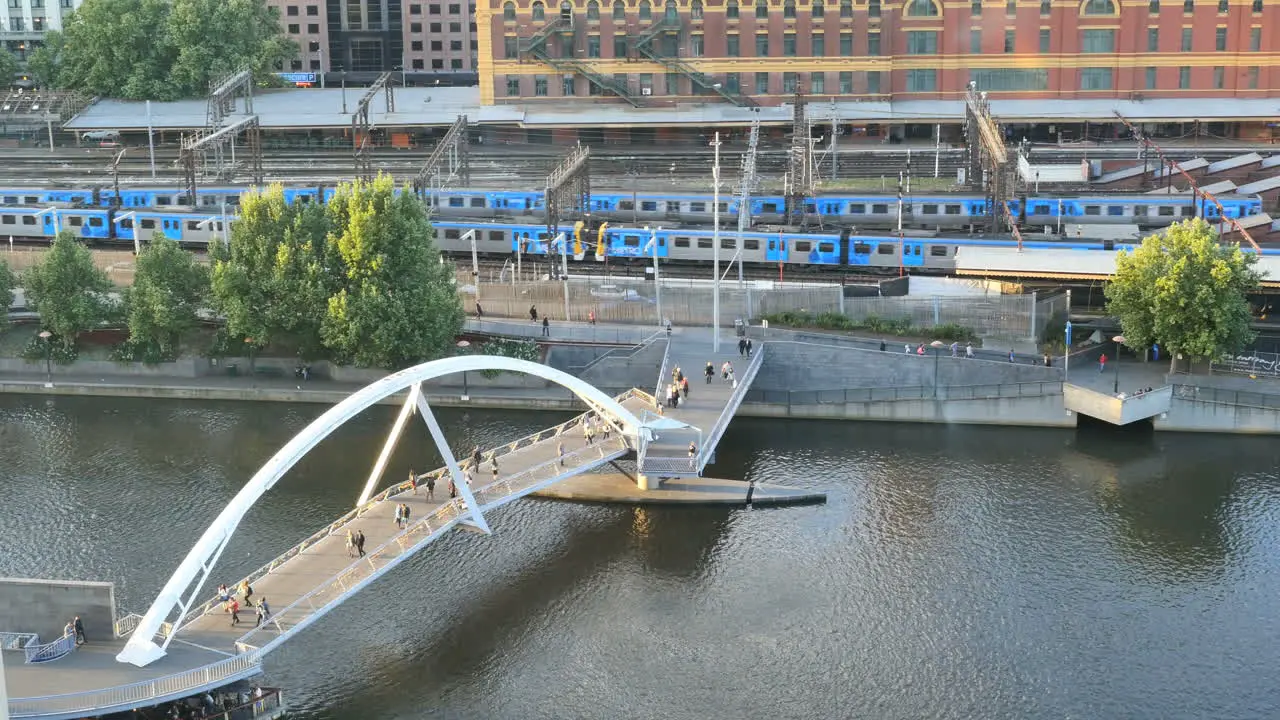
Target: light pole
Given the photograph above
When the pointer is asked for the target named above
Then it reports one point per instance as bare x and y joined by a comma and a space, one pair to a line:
936, 345
657, 281
715, 241
1119, 340
1066, 353
45, 335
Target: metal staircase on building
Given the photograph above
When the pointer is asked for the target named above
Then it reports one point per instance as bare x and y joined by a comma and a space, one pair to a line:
536, 47
667, 25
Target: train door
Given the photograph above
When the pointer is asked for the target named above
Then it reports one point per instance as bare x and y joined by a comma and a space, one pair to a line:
776, 250
49, 224
912, 253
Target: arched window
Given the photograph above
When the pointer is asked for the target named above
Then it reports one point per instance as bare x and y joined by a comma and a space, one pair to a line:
509, 11
762, 9
819, 9
846, 8
539, 12
789, 9
695, 9
593, 10
1099, 7
669, 12
646, 11
619, 10
731, 10
924, 8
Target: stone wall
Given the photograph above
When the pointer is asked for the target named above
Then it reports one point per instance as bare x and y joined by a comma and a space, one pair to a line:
1199, 416
1042, 411
629, 368
46, 606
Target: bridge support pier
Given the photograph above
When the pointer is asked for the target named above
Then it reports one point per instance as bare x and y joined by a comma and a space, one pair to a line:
648, 482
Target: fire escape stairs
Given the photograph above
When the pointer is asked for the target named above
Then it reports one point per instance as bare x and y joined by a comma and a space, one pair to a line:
536, 47
644, 44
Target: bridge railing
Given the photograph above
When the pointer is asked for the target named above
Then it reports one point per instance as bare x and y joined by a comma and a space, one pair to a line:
17, 640
912, 392
47, 652
95, 702
497, 493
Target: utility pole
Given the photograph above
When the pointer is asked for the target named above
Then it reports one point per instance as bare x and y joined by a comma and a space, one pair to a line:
744, 203
835, 133
715, 248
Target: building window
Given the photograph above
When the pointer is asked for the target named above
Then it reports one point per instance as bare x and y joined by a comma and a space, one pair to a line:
818, 46
619, 46
1255, 39
540, 85
1186, 39
1153, 39
696, 46
762, 83
1009, 41
1153, 7
1096, 78
646, 11
1184, 78
1222, 7
922, 8
873, 83
975, 42
539, 14
291, 11
568, 89
817, 83
1100, 7
413, 27
789, 83
619, 11
417, 27
818, 10
731, 10
762, 10
670, 13
846, 8
1257, 6
295, 64
1098, 41
789, 44
873, 8
313, 11
762, 45
313, 28
922, 42
1045, 36
1220, 39
418, 64
846, 44
673, 83
437, 46
975, 8
846, 83
1253, 77
593, 10
733, 83
416, 46
1046, 8
1188, 6
695, 9
437, 64
646, 83
455, 44
925, 80
1151, 78
1011, 8
293, 29
510, 47
1010, 79
873, 44
731, 46
1219, 77
593, 46
455, 9
789, 9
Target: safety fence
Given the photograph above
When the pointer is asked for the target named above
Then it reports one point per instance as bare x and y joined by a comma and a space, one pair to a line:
914, 392
17, 640
998, 317
577, 332
1222, 396
35, 651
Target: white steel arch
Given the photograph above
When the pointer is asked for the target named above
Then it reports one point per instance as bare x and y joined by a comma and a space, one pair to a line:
141, 650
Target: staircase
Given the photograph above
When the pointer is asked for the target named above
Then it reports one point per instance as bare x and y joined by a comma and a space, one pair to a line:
666, 25
536, 47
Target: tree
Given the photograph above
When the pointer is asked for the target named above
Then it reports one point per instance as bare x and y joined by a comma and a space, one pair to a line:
1186, 292
45, 61
8, 281
395, 303
169, 287
270, 283
8, 67
67, 290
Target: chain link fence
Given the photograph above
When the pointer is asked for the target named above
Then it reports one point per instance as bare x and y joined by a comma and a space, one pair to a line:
1007, 317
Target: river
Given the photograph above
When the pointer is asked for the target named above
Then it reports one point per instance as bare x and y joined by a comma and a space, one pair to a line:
956, 572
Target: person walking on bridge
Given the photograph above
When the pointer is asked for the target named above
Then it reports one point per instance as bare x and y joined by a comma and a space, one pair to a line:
263, 612
684, 387
533, 313
399, 516
546, 327
413, 481
742, 347
360, 543
78, 626
431, 487
1102, 362
235, 612
749, 347
710, 372
247, 590
693, 456
351, 543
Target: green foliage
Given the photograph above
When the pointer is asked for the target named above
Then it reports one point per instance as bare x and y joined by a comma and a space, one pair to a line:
394, 302
67, 290
45, 61
9, 67
169, 288
518, 349
155, 49
1184, 291
149, 353
62, 350
881, 326
8, 281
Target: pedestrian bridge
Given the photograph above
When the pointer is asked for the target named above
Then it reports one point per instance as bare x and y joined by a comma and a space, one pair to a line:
185, 643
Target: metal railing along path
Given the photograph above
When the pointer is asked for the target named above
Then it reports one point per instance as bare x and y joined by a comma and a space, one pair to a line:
712, 438
1222, 396
47, 652
562, 331
17, 640
124, 697
912, 392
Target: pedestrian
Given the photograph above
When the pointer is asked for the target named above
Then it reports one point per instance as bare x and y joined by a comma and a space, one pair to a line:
749, 347
495, 473
724, 371
920, 349
1102, 362
742, 347
906, 348
475, 457
1011, 358
351, 544
882, 346
1048, 361
591, 317
247, 590
693, 455
679, 374
69, 630
407, 512
710, 371
684, 387
560, 453
533, 313
479, 311
955, 349
1155, 352
546, 328
224, 595
235, 613
606, 428
732, 380
79, 628
360, 542
399, 516
431, 487
263, 612
413, 481
453, 489
586, 431
968, 350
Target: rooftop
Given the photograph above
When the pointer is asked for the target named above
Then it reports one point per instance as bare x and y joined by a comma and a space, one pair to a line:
439, 106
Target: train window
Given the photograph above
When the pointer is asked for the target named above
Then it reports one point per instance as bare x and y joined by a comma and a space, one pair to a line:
938, 250
232, 200
770, 207
751, 244
727, 243
10, 199
802, 246
698, 207
1166, 212
452, 234
1040, 209
6, 219
704, 243
626, 205
857, 209
209, 200
861, 249
886, 249
1115, 210
477, 202
31, 200
826, 247
1186, 212
182, 200
649, 205
673, 206
127, 223
148, 224
162, 200
724, 207
75, 221
631, 241
930, 209
879, 209
951, 209
456, 202
1092, 209
193, 225
682, 242
497, 236
28, 220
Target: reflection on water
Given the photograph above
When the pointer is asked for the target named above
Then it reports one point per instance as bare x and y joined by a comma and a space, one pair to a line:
954, 573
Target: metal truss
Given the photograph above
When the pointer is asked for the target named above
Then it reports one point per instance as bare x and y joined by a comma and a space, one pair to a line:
449, 161
214, 153
569, 188
361, 126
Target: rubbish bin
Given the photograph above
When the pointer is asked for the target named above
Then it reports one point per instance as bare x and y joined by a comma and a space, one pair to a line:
233, 370
740, 326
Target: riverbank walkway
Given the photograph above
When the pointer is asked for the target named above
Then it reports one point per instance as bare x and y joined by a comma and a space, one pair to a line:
205, 650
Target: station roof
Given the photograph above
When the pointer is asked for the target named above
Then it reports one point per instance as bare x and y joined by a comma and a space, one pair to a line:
298, 108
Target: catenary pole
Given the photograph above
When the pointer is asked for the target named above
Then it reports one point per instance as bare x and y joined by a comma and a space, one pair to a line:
715, 251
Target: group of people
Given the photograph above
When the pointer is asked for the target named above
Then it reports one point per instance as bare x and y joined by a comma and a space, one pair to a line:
232, 606
355, 543
677, 389
546, 324
75, 627
744, 347
402, 515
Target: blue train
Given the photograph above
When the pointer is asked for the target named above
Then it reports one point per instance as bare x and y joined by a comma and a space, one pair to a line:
932, 211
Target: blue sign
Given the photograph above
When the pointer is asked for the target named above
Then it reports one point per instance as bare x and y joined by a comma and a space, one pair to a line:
1068, 336
298, 78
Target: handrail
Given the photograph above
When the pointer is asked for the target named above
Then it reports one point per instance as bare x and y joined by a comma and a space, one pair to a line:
270, 701
623, 353
94, 702
47, 652
663, 371
726, 416
1224, 396
17, 640
983, 391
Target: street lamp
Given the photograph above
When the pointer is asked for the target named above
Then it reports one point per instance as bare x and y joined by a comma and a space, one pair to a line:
48, 357
1119, 340
936, 345
463, 345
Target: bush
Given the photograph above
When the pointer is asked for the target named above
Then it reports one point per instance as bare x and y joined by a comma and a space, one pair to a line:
881, 326
148, 353
517, 349
62, 350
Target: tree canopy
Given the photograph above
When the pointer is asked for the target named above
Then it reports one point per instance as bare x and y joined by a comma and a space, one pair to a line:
8, 281
8, 67
169, 288
160, 50
68, 291
1185, 291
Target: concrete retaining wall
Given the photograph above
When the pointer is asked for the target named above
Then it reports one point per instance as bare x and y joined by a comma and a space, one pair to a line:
804, 366
1044, 411
632, 368
1199, 416
46, 606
